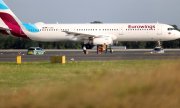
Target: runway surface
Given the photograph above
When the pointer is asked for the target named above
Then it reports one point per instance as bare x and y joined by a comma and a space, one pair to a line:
77, 55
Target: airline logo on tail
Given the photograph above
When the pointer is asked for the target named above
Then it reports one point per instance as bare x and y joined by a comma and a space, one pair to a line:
10, 20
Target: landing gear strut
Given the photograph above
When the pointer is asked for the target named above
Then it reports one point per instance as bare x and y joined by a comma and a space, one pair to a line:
84, 49
159, 44
158, 49
110, 49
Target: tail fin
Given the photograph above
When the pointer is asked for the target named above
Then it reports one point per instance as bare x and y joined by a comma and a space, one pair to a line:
11, 21
3, 5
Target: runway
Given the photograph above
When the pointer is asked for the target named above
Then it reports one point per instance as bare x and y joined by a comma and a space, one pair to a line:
77, 55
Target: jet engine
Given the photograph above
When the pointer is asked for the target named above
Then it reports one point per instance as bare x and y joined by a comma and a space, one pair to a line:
103, 40
98, 41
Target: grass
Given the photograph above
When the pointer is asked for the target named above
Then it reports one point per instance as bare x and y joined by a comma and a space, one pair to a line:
113, 84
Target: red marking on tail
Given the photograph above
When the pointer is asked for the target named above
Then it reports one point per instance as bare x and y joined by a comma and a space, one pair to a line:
13, 25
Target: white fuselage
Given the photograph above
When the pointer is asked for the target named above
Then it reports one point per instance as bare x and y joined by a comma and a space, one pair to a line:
118, 32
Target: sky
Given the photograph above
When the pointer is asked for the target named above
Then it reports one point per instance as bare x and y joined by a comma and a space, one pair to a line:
107, 11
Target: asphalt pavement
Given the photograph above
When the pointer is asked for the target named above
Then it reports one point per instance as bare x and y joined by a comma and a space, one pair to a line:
77, 55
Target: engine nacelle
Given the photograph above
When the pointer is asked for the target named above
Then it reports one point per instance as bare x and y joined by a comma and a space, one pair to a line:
103, 40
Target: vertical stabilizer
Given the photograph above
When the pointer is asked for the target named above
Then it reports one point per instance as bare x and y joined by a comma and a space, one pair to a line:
11, 21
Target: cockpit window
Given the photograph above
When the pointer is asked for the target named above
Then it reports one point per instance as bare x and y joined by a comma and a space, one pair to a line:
170, 29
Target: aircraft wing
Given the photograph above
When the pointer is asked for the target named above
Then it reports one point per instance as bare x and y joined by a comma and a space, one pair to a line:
97, 38
82, 36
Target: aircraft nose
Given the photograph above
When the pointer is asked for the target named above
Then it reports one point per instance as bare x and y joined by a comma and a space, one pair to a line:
178, 35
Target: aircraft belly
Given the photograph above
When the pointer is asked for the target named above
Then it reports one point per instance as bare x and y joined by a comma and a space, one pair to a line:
48, 37
138, 37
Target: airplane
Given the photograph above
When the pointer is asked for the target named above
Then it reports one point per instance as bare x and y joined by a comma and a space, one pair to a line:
90, 34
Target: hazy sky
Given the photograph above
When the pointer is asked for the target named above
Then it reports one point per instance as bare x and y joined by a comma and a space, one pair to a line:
84, 11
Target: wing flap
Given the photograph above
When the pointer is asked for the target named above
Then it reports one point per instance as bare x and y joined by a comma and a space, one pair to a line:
83, 36
78, 34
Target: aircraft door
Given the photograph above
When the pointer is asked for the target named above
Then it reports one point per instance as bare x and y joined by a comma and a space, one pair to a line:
159, 29
121, 30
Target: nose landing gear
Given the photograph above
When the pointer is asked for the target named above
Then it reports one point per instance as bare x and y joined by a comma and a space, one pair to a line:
159, 44
158, 49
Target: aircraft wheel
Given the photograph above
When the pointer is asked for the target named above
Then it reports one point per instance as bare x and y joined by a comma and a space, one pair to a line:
111, 51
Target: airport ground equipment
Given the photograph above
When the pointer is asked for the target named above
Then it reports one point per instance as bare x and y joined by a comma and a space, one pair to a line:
58, 59
18, 59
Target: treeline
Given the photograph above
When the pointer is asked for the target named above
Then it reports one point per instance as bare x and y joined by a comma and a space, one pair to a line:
8, 42
19, 43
